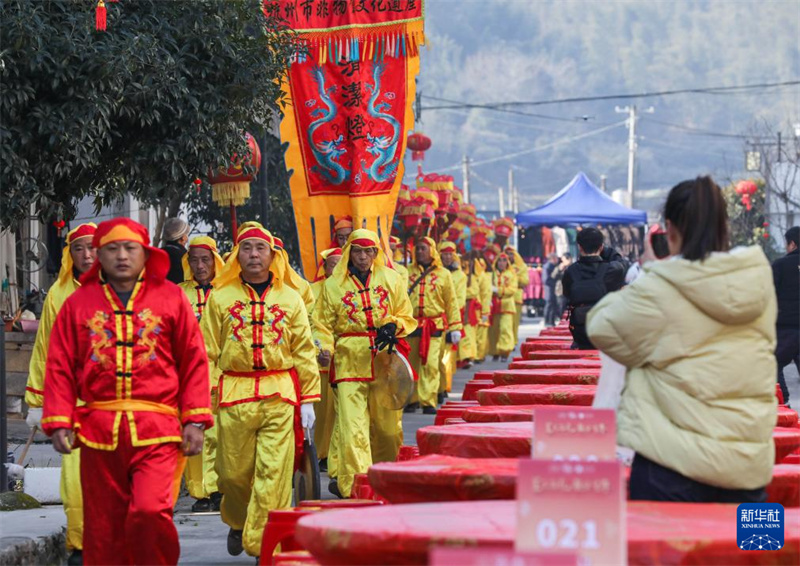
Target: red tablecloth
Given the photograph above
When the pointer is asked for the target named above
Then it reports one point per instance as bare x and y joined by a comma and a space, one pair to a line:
485, 440
556, 364
658, 533
555, 332
787, 417
538, 395
550, 338
447, 478
787, 440
471, 388
528, 347
547, 376
500, 413
561, 355
450, 412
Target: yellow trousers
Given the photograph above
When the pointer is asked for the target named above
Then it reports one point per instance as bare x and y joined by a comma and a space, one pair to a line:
468, 347
255, 461
517, 322
364, 429
447, 368
428, 384
200, 475
505, 334
482, 341
72, 497
494, 334
333, 447
324, 411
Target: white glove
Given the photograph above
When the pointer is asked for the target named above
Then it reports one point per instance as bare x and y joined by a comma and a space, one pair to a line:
307, 416
455, 337
34, 418
495, 290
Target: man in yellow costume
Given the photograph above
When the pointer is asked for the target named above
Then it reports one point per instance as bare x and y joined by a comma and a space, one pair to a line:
259, 341
450, 352
521, 269
434, 303
342, 228
485, 285
325, 409
397, 257
505, 291
365, 305
471, 317
76, 259
201, 265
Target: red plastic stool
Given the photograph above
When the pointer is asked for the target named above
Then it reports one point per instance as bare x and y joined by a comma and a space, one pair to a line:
407, 453
280, 528
293, 557
361, 488
326, 504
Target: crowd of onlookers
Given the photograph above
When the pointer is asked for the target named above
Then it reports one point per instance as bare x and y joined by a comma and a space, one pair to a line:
699, 331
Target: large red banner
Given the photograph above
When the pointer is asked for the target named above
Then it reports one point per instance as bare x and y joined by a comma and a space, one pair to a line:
351, 88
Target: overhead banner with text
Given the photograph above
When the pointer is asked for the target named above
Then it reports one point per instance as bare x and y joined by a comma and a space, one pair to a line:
350, 96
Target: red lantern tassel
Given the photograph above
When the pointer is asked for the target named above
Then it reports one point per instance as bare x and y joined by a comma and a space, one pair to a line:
100, 16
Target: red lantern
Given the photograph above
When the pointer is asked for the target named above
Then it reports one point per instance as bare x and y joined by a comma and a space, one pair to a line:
418, 143
231, 186
746, 189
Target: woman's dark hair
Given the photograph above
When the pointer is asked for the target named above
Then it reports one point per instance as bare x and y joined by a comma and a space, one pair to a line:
699, 212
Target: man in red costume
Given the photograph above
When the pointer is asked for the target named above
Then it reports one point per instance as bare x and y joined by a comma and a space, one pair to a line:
127, 343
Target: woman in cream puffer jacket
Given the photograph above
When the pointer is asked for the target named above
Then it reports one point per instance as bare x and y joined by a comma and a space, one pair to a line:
698, 339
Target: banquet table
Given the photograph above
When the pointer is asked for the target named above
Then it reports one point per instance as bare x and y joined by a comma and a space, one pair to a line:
438, 477
556, 364
658, 533
550, 338
787, 417
561, 355
481, 440
787, 440
571, 376
528, 347
472, 387
538, 395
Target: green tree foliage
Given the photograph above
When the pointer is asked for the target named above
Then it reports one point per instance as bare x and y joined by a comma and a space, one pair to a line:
143, 108
749, 227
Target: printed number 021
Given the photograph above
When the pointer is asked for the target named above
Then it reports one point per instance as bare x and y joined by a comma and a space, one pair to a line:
565, 535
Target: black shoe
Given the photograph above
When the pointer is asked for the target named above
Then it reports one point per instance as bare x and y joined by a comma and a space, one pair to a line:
216, 500
411, 408
235, 547
476, 362
76, 558
429, 410
504, 359
323, 465
468, 364
439, 399
202, 505
495, 358
333, 488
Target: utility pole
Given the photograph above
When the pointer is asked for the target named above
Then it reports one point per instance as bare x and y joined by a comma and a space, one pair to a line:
465, 174
631, 111
603, 179
500, 199
511, 189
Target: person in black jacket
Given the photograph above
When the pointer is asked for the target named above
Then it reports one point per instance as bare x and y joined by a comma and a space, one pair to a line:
588, 280
786, 275
176, 235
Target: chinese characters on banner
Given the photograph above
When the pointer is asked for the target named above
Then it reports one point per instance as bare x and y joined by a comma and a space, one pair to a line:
350, 91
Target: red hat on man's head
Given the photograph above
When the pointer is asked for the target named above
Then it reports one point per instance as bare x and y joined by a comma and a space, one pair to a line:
127, 230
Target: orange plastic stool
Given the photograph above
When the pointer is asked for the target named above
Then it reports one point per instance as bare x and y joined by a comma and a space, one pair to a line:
280, 528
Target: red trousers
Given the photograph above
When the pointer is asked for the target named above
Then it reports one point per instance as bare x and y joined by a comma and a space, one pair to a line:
128, 499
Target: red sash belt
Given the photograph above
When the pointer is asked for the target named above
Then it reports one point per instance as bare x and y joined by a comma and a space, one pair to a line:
427, 326
473, 312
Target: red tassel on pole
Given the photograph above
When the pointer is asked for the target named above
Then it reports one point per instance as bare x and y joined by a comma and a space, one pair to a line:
100, 16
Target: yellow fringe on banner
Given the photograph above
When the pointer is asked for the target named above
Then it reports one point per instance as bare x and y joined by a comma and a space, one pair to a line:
234, 193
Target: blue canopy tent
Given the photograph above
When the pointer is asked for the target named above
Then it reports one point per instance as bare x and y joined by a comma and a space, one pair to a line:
580, 202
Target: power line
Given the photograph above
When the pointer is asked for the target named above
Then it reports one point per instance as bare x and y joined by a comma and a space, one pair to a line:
706, 90
517, 112
542, 148
697, 131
